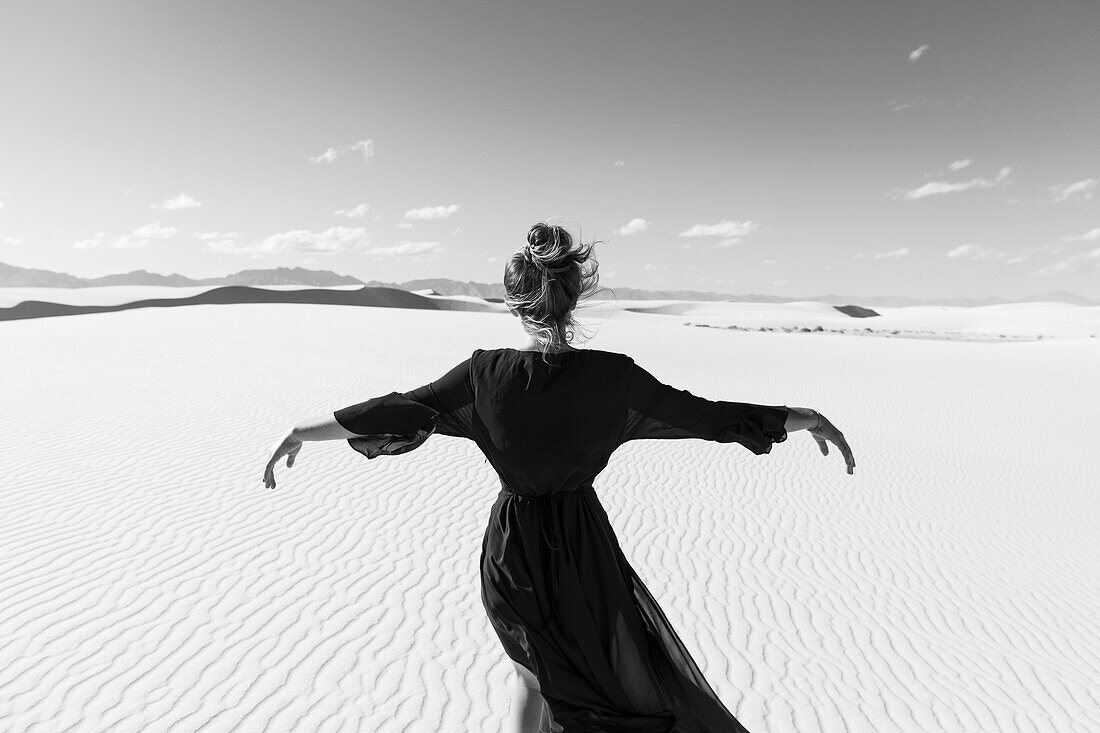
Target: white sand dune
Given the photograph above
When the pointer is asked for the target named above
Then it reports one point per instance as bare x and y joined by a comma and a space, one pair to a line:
150, 582
1049, 320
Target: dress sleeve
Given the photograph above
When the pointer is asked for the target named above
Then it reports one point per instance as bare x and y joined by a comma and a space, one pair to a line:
656, 410
399, 422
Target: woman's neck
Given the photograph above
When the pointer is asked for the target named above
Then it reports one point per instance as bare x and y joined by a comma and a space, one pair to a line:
533, 345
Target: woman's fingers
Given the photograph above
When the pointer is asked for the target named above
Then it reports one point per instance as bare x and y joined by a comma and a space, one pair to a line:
289, 447
828, 432
846, 451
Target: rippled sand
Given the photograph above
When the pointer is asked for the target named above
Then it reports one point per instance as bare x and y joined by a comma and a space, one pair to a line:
150, 582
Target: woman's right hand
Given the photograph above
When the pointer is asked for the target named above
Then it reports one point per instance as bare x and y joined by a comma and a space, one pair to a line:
824, 432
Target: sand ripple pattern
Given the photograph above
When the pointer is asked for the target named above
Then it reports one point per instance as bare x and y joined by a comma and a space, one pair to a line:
150, 582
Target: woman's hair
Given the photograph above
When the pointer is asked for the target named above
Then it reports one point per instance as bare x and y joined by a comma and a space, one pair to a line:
544, 280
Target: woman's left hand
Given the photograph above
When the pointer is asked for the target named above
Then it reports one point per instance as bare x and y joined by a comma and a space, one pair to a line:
289, 447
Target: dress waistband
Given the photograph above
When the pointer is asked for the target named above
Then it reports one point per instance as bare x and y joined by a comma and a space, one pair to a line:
546, 509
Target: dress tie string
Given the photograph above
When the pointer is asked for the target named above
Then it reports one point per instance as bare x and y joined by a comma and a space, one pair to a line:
546, 504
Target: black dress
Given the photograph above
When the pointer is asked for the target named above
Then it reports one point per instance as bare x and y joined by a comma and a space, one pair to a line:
557, 588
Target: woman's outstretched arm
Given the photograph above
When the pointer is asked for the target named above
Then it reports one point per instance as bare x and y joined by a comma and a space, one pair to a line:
319, 428
388, 424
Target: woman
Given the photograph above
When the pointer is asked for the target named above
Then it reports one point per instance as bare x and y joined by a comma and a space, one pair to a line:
593, 651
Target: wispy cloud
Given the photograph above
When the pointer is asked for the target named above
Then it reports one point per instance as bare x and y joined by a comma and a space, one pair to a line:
363, 147
917, 52
13, 241
1092, 235
894, 254
634, 226
908, 101
730, 231
1080, 189
181, 201
90, 242
619, 163
769, 262
976, 252
217, 241
406, 248
140, 237
934, 188
1073, 264
330, 241
329, 156
431, 212
356, 212
958, 165
649, 267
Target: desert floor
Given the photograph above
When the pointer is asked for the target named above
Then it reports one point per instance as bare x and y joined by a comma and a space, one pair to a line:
150, 582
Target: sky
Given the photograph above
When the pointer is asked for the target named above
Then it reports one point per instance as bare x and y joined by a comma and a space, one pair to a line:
931, 149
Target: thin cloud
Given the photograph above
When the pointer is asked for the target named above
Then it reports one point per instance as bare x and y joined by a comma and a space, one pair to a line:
731, 231
1080, 189
958, 165
13, 241
90, 242
910, 101
365, 148
431, 212
976, 252
207, 236
406, 247
1092, 235
619, 163
356, 212
331, 155
649, 267
934, 188
917, 52
894, 254
769, 262
634, 226
330, 241
217, 241
1073, 264
141, 236
181, 201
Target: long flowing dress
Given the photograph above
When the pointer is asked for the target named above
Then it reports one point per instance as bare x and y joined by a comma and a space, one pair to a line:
555, 584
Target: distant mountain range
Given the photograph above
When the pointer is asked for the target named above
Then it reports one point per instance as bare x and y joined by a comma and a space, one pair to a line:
21, 277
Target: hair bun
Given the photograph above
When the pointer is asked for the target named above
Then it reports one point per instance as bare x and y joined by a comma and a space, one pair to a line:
548, 242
